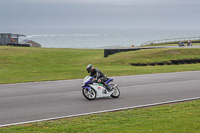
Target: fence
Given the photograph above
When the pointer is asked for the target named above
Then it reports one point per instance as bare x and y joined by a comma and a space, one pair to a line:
170, 40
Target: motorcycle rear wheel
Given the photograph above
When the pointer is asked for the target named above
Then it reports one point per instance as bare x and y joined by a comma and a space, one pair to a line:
90, 95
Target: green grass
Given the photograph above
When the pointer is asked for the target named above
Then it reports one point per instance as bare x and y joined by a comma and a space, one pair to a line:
40, 64
174, 118
44, 64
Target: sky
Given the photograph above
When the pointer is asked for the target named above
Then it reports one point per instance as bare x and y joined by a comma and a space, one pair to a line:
97, 14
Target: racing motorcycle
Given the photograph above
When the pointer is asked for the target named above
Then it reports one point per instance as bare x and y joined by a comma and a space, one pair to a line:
92, 89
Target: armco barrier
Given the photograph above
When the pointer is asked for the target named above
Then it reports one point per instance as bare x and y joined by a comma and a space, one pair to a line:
173, 41
108, 52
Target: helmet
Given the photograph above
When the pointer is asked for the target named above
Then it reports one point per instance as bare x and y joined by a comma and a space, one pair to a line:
90, 67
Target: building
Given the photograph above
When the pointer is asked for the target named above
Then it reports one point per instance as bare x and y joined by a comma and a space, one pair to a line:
31, 43
7, 39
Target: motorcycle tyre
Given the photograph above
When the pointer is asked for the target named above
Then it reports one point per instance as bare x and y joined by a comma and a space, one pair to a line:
113, 96
92, 90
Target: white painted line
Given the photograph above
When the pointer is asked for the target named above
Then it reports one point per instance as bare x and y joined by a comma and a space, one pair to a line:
111, 110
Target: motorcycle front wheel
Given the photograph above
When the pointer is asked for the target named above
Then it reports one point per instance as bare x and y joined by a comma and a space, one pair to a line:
116, 92
90, 95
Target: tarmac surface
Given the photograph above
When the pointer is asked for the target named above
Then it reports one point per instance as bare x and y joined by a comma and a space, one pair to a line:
42, 100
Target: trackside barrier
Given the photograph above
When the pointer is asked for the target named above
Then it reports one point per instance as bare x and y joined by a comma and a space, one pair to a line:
108, 52
173, 40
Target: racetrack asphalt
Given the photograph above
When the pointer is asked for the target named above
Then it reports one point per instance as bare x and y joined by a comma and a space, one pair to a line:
42, 100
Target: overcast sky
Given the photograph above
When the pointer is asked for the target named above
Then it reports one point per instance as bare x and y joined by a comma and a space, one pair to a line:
99, 14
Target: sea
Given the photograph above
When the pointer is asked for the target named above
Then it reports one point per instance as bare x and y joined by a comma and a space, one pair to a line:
99, 38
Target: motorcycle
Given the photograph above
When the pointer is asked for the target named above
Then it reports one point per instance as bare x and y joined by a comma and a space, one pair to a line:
92, 90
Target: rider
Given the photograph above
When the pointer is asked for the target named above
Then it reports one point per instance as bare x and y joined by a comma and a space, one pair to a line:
98, 75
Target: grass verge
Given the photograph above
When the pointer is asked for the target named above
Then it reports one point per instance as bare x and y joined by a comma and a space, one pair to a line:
176, 118
44, 64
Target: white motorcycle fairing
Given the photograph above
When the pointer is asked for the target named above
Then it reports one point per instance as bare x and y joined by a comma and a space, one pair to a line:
100, 90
